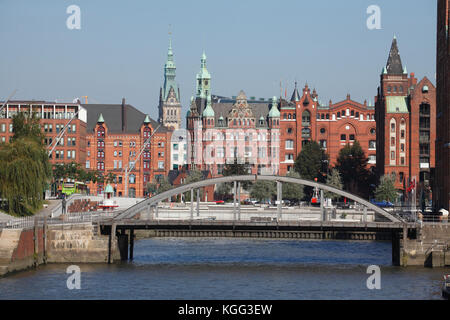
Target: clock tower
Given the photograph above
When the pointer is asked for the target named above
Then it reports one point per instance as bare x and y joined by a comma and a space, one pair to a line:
169, 95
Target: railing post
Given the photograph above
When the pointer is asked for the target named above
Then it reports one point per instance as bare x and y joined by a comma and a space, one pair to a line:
279, 197
365, 214
156, 210
198, 202
234, 200
322, 206
192, 204
239, 200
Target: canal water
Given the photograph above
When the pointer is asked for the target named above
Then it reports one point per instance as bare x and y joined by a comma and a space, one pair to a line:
207, 268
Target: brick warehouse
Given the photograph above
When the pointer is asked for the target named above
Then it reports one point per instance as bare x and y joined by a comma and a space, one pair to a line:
405, 112
115, 136
441, 192
304, 119
54, 116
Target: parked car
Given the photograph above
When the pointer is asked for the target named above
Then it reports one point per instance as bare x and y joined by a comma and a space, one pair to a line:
220, 202
382, 204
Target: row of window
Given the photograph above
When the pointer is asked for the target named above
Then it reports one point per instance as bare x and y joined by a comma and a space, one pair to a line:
59, 154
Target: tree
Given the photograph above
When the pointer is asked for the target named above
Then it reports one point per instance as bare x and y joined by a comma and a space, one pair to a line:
223, 189
158, 185
24, 167
352, 165
262, 190
312, 162
386, 189
193, 176
334, 180
237, 169
293, 191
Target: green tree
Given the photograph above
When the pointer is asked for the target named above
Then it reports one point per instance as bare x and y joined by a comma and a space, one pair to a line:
293, 191
237, 169
352, 165
193, 176
223, 189
386, 189
24, 167
334, 180
312, 162
262, 190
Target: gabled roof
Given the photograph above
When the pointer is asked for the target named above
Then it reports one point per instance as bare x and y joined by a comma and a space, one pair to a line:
112, 115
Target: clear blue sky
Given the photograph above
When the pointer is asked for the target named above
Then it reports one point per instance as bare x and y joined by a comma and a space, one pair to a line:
250, 44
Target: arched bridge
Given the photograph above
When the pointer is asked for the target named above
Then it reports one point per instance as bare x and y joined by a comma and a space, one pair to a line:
123, 226
153, 201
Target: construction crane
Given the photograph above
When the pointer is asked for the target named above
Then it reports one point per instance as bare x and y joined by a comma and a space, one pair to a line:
131, 164
10, 96
60, 135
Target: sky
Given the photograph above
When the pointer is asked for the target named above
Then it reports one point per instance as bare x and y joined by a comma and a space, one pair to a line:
121, 47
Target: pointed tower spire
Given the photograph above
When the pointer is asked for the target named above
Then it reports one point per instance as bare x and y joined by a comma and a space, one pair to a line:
147, 119
203, 79
100, 119
295, 95
394, 63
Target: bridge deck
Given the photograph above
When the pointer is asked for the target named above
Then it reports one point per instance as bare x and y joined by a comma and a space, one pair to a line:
252, 225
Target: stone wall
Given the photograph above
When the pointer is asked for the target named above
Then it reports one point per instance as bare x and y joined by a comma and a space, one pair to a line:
425, 250
75, 243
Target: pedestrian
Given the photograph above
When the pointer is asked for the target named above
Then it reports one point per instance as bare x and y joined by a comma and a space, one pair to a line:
63, 205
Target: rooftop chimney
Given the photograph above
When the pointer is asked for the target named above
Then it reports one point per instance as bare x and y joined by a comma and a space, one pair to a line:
124, 116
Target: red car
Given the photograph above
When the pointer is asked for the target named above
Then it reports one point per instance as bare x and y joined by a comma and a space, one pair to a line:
220, 202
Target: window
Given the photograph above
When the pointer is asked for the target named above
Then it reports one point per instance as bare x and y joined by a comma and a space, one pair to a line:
306, 133
306, 118
402, 160
352, 137
322, 130
160, 164
343, 137
175, 146
3, 128
392, 127
339, 114
88, 164
132, 179
372, 158
289, 130
392, 155
372, 131
175, 157
372, 144
289, 157
402, 134
289, 144
402, 147
392, 141
323, 144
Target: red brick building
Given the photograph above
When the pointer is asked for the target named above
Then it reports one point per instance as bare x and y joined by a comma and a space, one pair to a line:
405, 112
223, 131
116, 134
54, 117
304, 119
441, 192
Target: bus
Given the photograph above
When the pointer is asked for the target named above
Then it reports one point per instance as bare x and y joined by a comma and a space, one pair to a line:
69, 188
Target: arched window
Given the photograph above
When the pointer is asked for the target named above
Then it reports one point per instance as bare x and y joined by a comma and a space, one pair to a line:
306, 118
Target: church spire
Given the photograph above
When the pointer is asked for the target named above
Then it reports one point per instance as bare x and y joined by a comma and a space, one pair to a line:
169, 74
295, 95
394, 63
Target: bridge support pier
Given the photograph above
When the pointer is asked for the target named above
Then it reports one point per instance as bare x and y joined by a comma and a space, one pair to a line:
112, 237
131, 243
395, 249
122, 240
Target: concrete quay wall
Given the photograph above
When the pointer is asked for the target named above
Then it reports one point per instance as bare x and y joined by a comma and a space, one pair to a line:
21, 249
430, 249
